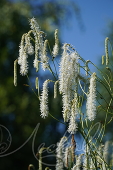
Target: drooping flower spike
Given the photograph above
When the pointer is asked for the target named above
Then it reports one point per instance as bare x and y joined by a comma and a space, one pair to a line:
91, 99
44, 100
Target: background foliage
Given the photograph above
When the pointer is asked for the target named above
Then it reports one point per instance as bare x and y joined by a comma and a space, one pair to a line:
19, 108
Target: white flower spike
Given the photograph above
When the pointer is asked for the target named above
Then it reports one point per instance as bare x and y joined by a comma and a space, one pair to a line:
91, 99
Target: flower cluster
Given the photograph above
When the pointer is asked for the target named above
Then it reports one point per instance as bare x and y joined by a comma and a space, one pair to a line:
74, 112
26, 48
56, 46
91, 99
60, 154
44, 100
68, 79
72, 86
22, 59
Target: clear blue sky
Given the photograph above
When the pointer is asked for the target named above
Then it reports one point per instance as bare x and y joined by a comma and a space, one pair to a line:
96, 16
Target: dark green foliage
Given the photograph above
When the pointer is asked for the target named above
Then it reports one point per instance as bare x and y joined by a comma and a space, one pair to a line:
19, 107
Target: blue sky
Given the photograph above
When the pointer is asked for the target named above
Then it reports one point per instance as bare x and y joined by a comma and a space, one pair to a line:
96, 16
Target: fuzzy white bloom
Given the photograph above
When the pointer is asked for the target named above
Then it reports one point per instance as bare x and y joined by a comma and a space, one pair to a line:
39, 45
34, 26
86, 67
37, 34
55, 89
63, 64
74, 112
44, 64
44, 58
22, 59
21, 50
106, 50
66, 99
67, 80
72, 125
44, 100
25, 49
60, 154
55, 50
63, 81
24, 65
36, 62
91, 99
56, 47
29, 47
